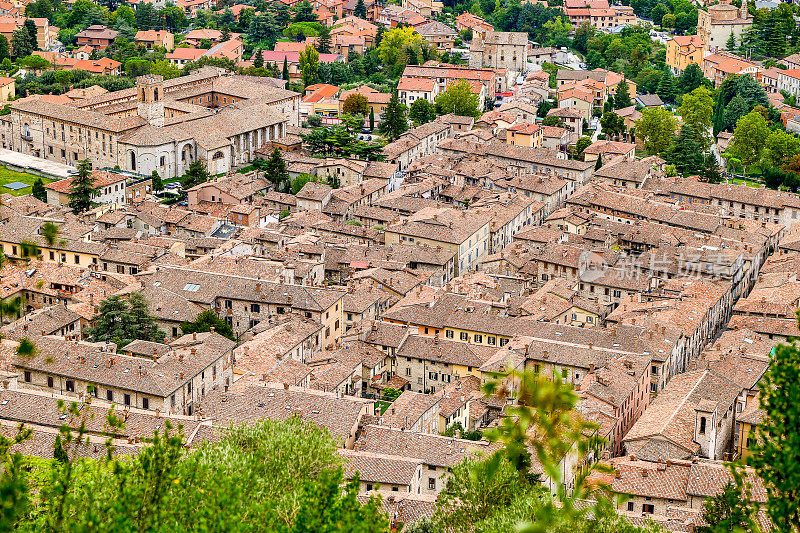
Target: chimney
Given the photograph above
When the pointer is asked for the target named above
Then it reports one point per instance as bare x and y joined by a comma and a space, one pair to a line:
180, 357
193, 351
258, 287
194, 336
212, 329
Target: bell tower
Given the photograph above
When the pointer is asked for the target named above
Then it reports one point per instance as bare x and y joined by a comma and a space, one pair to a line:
150, 98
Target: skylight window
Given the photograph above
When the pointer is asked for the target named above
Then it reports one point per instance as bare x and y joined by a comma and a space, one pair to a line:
191, 287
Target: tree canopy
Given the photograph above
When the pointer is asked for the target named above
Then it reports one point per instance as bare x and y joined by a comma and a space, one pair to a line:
124, 319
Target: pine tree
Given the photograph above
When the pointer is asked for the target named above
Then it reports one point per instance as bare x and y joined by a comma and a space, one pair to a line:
599, 162
360, 10
258, 59
371, 119
324, 40
275, 171
285, 73
622, 97
666, 87
82, 191
20, 43
4, 48
157, 184
394, 121
38, 191
33, 42
685, 152
730, 46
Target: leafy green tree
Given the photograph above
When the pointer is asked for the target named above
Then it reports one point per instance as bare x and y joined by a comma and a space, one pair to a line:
710, 173
205, 321
196, 174
49, 232
736, 109
730, 510
157, 183
730, 44
749, 138
355, 104
26, 347
622, 97
300, 181
697, 110
309, 65
303, 12
4, 48
394, 121
275, 171
271, 475
583, 143
258, 59
21, 43
612, 124
458, 99
82, 189
422, 111
33, 43
10, 307
655, 129
553, 120
667, 89
397, 46
324, 40
780, 148
686, 153
124, 319
776, 446
360, 10
38, 191
691, 79
658, 12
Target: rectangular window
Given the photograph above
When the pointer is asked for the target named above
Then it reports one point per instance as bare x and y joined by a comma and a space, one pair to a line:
255, 308
448, 333
50, 381
478, 338
127, 399
408, 371
464, 336
70, 385
110, 395
431, 483
145, 403
27, 376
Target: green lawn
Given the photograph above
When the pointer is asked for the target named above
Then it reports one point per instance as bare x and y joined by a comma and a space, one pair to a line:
747, 182
9, 176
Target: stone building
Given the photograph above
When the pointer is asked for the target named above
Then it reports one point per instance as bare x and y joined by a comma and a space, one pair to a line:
500, 49
161, 125
715, 24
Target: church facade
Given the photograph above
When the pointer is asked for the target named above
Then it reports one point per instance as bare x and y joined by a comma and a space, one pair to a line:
159, 125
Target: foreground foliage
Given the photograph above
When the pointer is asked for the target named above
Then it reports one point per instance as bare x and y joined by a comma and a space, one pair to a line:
272, 476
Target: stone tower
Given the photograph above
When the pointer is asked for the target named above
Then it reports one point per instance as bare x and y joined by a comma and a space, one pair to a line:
150, 97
